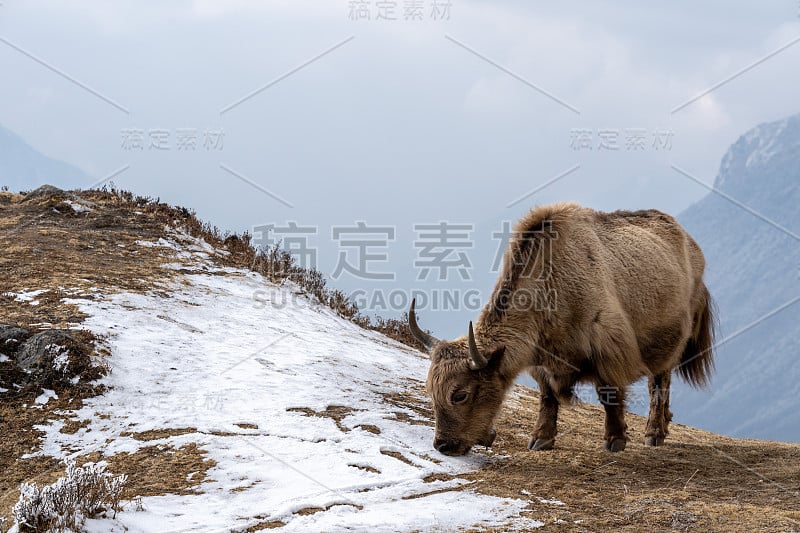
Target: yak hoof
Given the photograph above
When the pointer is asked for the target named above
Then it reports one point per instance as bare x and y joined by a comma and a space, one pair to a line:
538, 445
615, 444
653, 441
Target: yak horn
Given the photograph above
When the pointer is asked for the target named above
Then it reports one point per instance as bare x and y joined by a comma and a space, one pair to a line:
476, 360
425, 339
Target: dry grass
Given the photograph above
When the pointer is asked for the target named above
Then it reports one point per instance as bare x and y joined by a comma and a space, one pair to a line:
20, 437
337, 413
160, 469
397, 455
698, 481
270, 524
156, 434
366, 468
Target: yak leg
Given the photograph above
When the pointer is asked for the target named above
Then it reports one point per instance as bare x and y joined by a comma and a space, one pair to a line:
613, 400
544, 434
660, 415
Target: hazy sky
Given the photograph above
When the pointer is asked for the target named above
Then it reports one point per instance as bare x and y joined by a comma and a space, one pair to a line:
456, 117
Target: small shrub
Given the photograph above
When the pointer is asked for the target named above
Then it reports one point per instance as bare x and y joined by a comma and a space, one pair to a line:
277, 265
274, 263
65, 505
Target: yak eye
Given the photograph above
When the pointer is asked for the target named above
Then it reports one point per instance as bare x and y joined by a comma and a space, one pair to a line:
458, 397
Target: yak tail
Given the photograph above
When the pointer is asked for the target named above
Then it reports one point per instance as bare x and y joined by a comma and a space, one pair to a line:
697, 360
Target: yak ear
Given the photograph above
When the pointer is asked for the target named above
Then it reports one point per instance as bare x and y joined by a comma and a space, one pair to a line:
495, 356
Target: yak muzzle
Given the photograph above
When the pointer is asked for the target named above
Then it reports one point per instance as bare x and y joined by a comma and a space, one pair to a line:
449, 446
489, 440
456, 447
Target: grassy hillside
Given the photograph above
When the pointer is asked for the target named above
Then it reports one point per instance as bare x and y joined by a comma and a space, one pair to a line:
92, 247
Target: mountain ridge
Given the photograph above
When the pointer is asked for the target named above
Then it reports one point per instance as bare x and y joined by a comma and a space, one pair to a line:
749, 230
22, 167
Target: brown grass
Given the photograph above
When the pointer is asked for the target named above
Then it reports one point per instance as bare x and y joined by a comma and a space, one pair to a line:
698, 481
271, 524
366, 468
156, 434
397, 455
71, 426
314, 510
337, 413
157, 470
20, 437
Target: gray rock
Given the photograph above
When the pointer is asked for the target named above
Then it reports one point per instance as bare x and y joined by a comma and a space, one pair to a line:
11, 337
42, 347
51, 357
44, 190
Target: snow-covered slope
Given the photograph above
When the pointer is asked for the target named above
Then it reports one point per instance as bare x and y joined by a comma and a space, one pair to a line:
244, 377
750, 234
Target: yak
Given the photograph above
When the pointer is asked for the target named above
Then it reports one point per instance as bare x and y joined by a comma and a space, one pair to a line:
582, 296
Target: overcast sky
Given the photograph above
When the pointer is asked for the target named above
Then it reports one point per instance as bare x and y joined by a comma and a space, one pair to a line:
455, 112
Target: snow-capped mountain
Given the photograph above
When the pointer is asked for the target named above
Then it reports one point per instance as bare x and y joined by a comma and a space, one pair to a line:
22, 167
749, 229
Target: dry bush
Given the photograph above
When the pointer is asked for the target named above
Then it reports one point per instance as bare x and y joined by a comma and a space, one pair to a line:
82, 493
278, 265
274, 263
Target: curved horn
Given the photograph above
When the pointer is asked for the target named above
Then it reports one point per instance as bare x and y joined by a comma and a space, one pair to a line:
425, 339
476, 359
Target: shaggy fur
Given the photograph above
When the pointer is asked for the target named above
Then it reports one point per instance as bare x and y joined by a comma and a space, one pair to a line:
583, 296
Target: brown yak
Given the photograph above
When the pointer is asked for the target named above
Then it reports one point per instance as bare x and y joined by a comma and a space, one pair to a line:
583, 296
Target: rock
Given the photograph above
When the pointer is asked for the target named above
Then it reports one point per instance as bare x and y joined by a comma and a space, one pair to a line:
53, 357
48, 191
44, 190
41, 347
11, 337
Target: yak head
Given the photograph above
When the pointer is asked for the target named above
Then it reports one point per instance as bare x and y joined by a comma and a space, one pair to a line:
466, 387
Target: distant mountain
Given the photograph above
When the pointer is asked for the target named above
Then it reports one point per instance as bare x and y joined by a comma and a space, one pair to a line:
753, 269
22, 167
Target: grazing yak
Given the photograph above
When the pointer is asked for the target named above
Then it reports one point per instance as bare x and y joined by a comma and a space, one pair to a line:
583, 296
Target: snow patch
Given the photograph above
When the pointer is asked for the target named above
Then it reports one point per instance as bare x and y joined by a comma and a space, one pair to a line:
61, 358
25, 295
550, 502
764, 142
77, 207
209, 358
45, 396
162, 242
